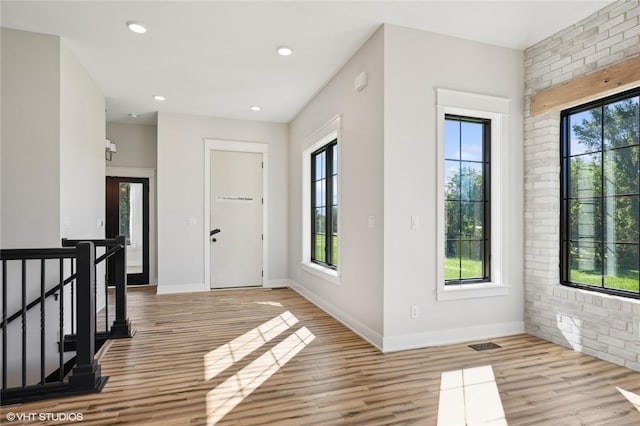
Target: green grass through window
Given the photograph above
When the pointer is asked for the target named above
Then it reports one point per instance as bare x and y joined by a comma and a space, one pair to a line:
472, 268
628, 281
454, 268
319, 249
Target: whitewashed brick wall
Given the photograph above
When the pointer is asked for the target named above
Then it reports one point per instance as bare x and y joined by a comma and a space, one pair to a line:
604, 326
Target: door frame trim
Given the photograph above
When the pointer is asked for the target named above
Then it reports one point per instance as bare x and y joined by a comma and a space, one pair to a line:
149, 173
234, 146
144, 276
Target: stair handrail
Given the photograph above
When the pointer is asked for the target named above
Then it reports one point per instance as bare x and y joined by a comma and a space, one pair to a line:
55, 253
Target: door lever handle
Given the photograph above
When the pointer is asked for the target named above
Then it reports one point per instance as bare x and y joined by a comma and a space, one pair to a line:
214, 232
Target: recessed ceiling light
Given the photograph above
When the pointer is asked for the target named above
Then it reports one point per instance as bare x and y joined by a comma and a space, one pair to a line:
133, 115
136, 27
159, 98
255, 108
284, 51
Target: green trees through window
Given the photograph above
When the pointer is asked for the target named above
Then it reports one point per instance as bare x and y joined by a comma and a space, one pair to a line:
124, 210
467, 208
600, 195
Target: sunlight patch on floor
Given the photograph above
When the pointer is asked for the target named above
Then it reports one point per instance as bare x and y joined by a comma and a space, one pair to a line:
470, 397
222, 399
276, 304
633, 398
226, 355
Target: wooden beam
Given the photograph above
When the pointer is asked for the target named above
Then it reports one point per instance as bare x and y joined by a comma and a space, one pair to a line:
598, 84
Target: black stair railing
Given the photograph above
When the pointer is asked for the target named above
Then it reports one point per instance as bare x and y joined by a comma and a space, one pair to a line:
116, 276
81, 309
86, 375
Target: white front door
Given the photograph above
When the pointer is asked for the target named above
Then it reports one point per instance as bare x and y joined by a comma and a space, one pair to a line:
236, 219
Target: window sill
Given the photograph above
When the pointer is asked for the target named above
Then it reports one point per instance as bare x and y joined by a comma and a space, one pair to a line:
320, 271
605, 292
471, 291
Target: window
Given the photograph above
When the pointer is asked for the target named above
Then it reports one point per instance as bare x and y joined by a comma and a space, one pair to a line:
477, 186
324, 205
467, 143
600, 177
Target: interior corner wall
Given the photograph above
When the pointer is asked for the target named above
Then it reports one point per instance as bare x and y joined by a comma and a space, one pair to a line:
357, 300
82, 168
180, 199
30, 140
416, 63
600, 325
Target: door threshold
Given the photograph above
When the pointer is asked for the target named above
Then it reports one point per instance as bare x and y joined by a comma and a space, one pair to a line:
245, 287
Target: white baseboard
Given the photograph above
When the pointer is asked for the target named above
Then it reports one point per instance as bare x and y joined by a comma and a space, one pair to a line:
356, 326
452, 336
280, 283
180, 288
385, 344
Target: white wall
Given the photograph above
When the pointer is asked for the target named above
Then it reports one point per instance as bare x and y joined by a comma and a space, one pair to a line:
1, 135
30, 135
416, 63
181, 194
136, 157
357, 300
136, 145
30, 170
82, 168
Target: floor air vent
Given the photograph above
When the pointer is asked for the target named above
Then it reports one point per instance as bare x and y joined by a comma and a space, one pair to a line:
484, 346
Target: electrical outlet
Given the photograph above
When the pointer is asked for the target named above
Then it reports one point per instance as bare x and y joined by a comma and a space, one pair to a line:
415, 311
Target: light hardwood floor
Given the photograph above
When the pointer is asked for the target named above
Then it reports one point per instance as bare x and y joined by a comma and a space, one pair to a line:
175, 372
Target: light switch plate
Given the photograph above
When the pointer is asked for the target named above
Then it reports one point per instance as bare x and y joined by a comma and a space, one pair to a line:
415, 222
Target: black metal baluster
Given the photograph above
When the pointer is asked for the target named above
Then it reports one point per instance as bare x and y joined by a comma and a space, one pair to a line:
95, 292
4, 324
73, 307
42, 322
106, 292
24, 323
61, 345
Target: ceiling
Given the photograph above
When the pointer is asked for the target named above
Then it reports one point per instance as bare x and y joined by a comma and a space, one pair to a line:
218, 58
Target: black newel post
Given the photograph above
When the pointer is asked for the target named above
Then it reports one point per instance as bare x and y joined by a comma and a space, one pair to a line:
121, 326
86, 373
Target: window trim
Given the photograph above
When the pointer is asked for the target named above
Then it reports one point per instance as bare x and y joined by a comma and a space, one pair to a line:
486, 199
496, 109
325, 134
565, 189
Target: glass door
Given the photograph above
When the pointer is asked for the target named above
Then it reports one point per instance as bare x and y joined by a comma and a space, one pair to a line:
127, 214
